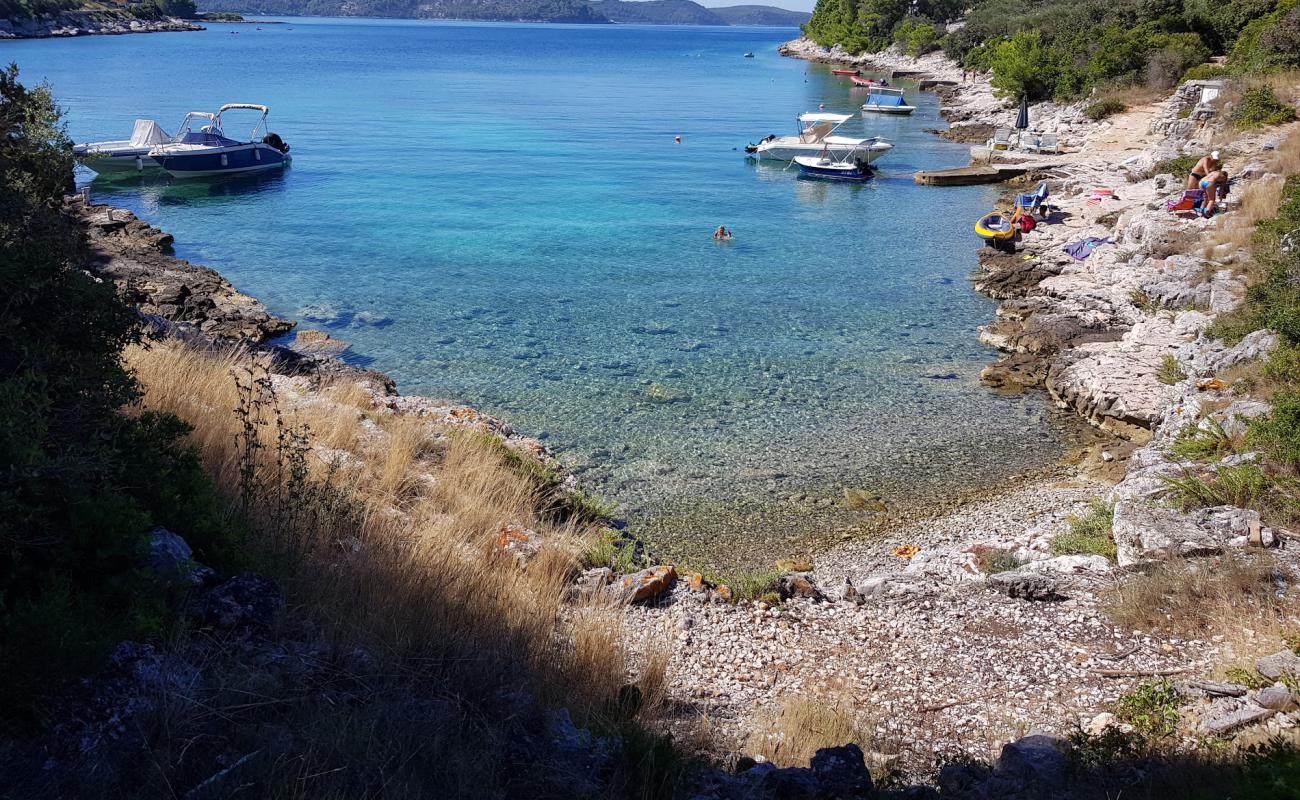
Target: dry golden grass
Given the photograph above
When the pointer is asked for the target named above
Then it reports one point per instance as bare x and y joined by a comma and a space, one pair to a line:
1234, 597
802, 725
386, 538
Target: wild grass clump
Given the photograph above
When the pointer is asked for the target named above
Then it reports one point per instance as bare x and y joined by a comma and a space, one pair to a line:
1259, 107
1235, 596
991, 560
1170, 372
804, 724
1089, 534
1205, 441
1237, 485
1178, 166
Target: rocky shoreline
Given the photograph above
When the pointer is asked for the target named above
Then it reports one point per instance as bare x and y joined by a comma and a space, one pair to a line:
89, 23
946, 658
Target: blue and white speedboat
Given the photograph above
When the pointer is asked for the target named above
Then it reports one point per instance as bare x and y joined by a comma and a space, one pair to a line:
208, 151
886, 100
841, 159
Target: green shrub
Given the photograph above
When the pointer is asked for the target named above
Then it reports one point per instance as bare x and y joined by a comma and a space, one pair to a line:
1277, 434
1103, 108
1268, 42
917, 37
1089, 534
1152, 709
1244, 485
83, 483
1179, 166
1258, 107
1203, 442
1023, 67
1205, 72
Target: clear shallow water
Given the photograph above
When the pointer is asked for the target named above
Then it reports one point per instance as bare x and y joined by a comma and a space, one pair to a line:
499, 214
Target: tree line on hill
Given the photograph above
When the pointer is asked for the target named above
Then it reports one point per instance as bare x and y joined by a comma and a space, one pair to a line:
1067, 48
646, 12
142, 9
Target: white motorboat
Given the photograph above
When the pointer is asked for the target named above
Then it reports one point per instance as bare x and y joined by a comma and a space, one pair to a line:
815, 132
126, 155
208, 151
887, 100
841, 159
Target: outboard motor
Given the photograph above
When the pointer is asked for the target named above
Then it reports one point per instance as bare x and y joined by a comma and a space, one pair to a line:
275, 141
753, 148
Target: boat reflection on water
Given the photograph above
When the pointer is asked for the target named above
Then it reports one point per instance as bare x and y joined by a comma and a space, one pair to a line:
158, 189
808, 191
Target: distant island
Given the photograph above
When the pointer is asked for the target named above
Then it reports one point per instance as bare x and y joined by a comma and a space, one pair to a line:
639, 12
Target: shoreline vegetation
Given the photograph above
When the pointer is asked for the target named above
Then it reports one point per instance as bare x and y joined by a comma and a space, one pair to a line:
410, 590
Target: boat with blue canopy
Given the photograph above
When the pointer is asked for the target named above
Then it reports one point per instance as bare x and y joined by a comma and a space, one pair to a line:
887, 100
208, 151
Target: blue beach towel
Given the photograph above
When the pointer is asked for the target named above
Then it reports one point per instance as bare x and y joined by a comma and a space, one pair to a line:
1083, 249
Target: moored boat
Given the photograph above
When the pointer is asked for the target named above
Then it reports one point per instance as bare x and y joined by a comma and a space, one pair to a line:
844, 72
886, 100
208, 151
838, 161
815, 133
858, 80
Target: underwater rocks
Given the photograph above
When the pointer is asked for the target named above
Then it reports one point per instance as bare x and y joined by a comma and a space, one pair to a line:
137, 257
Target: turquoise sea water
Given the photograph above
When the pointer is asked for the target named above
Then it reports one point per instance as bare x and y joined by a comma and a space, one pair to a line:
499, 214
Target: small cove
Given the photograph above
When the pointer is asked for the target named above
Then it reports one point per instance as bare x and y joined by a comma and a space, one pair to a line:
499, 214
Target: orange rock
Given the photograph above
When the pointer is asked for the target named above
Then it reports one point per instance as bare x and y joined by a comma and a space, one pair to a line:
523, 543
906, 550
1211, 385
723, 593
648, 583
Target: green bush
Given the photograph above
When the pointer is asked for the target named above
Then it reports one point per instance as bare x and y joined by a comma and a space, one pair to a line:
1269, 42
82, 482
1179, 167
1258, 107
1205, 72
1103, 108
1152, 709
1170, 372
1277, 434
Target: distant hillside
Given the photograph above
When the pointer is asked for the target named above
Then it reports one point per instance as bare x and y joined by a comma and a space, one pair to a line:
761, 15
641, 12
656, 12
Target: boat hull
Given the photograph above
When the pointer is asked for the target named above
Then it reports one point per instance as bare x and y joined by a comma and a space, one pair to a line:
888, 109
206, 162
789, 151
844, 72
115, 163
834, 172
997, 229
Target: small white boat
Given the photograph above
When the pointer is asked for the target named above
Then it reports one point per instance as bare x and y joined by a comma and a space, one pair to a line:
841, 159
208, 151
815, 132
887, 100
125, 155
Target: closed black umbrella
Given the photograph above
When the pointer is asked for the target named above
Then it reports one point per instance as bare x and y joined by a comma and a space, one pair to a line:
1022, 118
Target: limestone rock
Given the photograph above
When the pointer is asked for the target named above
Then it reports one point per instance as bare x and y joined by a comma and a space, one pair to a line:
1070, 565
171, 558
516, 540
1275, 666
1144, 533
1227, 714
245, 602
1276, 697
1024, 584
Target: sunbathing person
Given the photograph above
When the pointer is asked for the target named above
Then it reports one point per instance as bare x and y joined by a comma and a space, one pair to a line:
1215, 186
1203, 168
